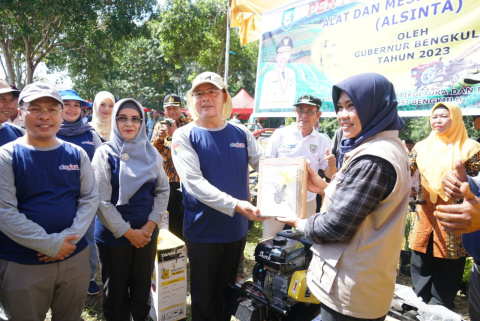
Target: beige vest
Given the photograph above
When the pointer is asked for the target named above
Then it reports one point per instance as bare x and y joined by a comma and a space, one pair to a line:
357, 277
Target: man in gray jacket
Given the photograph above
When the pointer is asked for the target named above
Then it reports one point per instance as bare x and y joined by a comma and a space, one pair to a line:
49, 197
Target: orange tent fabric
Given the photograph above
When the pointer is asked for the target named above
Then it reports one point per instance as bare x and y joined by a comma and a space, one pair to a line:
242, 104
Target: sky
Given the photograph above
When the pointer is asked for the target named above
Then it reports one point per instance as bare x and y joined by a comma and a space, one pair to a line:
60, 79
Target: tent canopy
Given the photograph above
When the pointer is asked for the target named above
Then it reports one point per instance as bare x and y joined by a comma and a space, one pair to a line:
242, 104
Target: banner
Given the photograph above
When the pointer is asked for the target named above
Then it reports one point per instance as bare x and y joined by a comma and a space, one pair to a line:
425, 48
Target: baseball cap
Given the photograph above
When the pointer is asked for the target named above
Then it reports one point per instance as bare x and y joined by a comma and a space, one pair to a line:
172, 100
285, 45
71, 94
309, 100
208, 77
39, 90
472, 79
6, 88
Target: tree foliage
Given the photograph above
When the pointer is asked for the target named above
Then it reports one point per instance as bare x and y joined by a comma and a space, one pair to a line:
137, 70
30, 31
182, 40
416, 128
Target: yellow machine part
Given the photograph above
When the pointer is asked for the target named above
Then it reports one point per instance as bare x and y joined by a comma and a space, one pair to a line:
298, 288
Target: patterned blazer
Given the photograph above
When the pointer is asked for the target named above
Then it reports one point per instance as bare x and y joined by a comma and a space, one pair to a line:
164, 148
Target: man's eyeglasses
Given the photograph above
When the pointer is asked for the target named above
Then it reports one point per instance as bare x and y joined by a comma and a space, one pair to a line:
37, 111
308, 112
5, 100
124, 119
203, 93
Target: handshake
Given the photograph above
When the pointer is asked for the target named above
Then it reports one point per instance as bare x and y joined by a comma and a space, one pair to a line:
463, 217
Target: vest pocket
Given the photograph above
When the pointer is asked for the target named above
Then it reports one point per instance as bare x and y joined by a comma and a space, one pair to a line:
325, 265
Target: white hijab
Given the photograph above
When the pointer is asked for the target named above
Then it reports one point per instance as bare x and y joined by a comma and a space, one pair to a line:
103, 128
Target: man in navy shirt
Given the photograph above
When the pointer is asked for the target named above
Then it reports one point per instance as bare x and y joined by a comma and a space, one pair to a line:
212, 158
8, 132
49, 197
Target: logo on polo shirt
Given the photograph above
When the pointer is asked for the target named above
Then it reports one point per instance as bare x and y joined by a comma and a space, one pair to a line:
69, 167
237, 145
313, 148
288, 146
86, 142
176, 148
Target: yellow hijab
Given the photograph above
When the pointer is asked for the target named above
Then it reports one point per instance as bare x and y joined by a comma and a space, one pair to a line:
436, 154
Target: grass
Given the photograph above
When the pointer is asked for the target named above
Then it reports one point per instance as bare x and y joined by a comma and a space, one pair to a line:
93, 308
253, 237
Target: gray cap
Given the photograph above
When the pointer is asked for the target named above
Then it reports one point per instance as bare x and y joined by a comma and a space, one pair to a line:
39, 90
5, 88
208, 77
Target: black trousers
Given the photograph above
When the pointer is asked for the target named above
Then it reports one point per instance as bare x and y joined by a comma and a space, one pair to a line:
212, 267
176, 211
436, 280
126, 276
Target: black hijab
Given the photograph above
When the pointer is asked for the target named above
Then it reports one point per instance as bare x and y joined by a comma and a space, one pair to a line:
376, 103
74, 128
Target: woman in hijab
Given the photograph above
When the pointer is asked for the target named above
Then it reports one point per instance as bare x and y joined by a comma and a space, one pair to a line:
73, 130
358, 233
438, 257
102, 114
133, 193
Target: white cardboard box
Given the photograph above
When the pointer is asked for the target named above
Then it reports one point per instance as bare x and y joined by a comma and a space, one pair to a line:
169, 279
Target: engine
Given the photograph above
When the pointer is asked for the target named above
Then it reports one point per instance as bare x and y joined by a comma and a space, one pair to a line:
278, 290
277, 261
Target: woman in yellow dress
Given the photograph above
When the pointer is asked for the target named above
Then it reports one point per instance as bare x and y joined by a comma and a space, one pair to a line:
438, 257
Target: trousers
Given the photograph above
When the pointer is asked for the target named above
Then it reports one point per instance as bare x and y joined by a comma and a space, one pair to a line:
213, 266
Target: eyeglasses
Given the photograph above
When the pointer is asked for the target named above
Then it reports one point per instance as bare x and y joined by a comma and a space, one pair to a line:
5, 100
37, 111
124, 119
308, 112
211, 93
